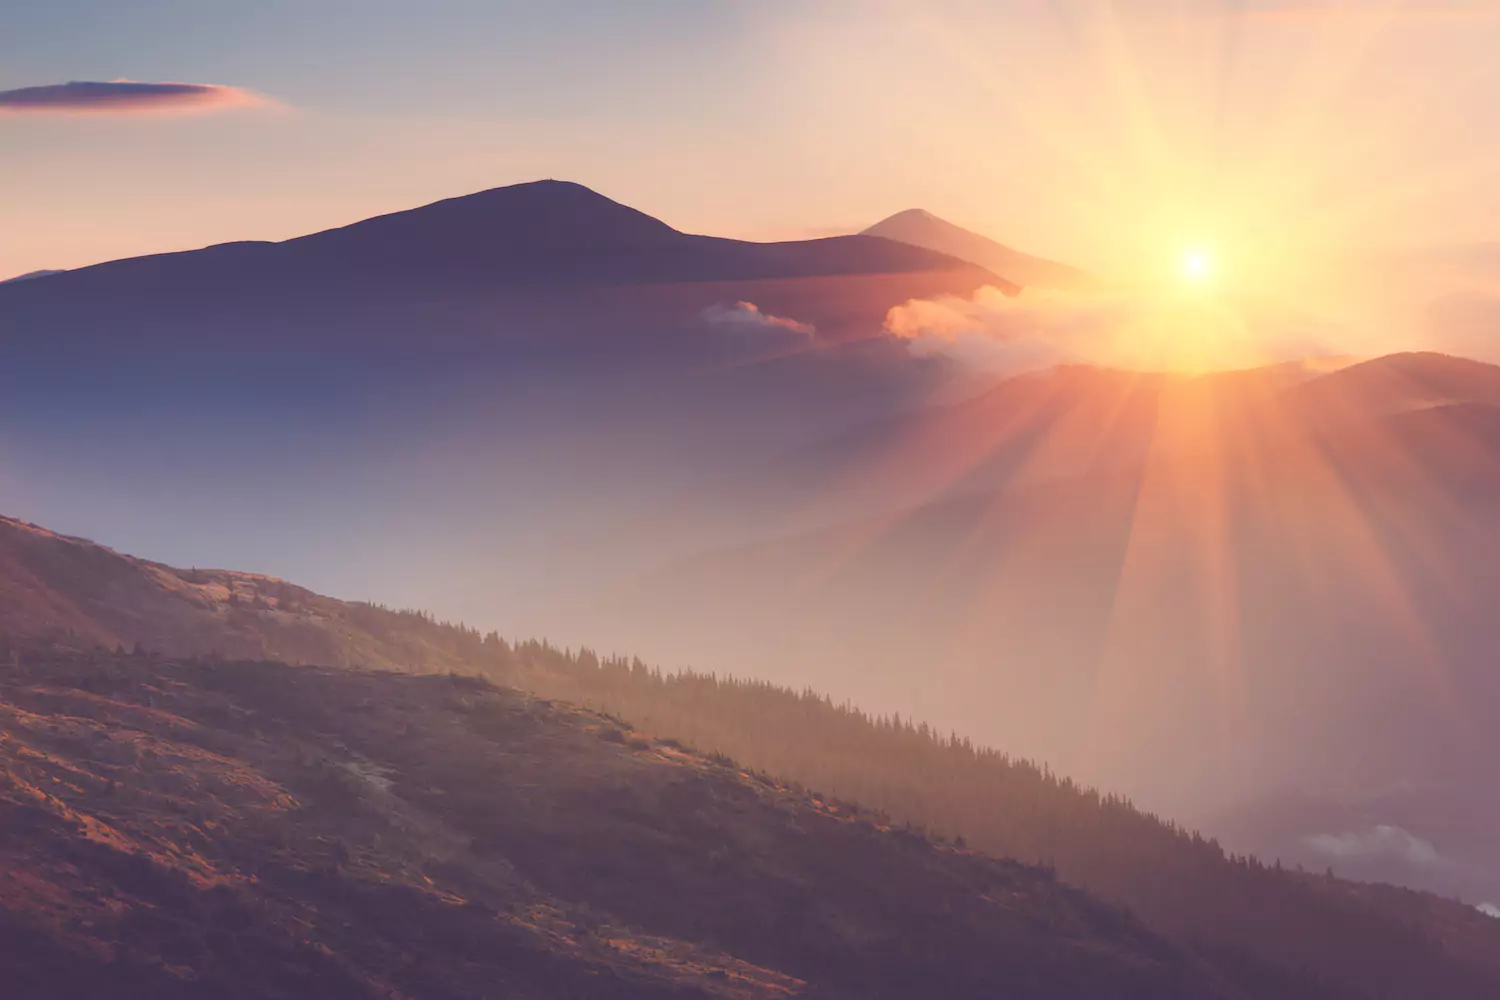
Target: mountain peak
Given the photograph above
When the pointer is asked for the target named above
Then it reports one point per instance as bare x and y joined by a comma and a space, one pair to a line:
909, 215
921, 228
545, 214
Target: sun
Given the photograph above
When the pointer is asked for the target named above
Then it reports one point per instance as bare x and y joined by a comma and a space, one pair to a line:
1196, 266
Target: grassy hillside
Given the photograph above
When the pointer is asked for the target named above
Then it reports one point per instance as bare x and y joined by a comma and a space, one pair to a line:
1370, 941
188, 829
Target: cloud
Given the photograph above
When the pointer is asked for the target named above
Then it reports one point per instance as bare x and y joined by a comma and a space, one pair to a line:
1489, 909
1143, 328
1000, 332
120, 97
747, 317
1390, 842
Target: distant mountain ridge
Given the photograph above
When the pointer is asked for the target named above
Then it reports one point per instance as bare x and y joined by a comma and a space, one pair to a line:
921, 228
541, 246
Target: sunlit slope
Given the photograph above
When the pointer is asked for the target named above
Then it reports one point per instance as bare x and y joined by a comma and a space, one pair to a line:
1396, 384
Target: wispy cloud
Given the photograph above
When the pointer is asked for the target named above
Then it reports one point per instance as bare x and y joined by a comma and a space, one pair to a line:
1382, 841
748, 316
123, 97
744, 331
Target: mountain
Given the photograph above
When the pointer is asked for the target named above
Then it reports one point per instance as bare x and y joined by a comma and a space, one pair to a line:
923, 229
1396, 383
432, 835
493, 265
30, 276
524, 345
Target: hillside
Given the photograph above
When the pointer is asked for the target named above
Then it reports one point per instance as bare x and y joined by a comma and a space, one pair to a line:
1274, 926
248, 830
1396, 383
56, 589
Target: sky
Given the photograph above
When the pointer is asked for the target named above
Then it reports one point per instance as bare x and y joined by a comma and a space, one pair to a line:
1097, 132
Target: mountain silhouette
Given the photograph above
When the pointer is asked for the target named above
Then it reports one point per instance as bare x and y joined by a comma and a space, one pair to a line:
496, 263
923, 229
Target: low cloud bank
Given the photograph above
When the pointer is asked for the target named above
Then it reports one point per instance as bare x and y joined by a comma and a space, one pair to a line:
1144, 328
121, 97
999, 332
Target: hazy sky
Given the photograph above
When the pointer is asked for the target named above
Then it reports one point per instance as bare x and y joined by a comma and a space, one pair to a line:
1092, 131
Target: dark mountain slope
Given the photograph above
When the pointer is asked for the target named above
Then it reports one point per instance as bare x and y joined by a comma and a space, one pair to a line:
923, 229
253, 830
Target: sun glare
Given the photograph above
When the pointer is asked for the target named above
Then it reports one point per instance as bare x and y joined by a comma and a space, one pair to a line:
1196, 266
